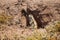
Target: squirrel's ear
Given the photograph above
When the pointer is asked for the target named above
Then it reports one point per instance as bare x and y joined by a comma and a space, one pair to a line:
24, 12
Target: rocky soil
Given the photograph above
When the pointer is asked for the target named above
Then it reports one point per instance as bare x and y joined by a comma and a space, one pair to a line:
19, 17
43, 11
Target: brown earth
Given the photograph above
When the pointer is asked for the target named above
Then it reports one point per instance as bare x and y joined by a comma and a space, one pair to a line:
14, 14
43, 11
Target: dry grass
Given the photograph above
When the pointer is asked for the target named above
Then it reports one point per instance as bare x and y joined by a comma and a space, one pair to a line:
50, 32
4, 18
